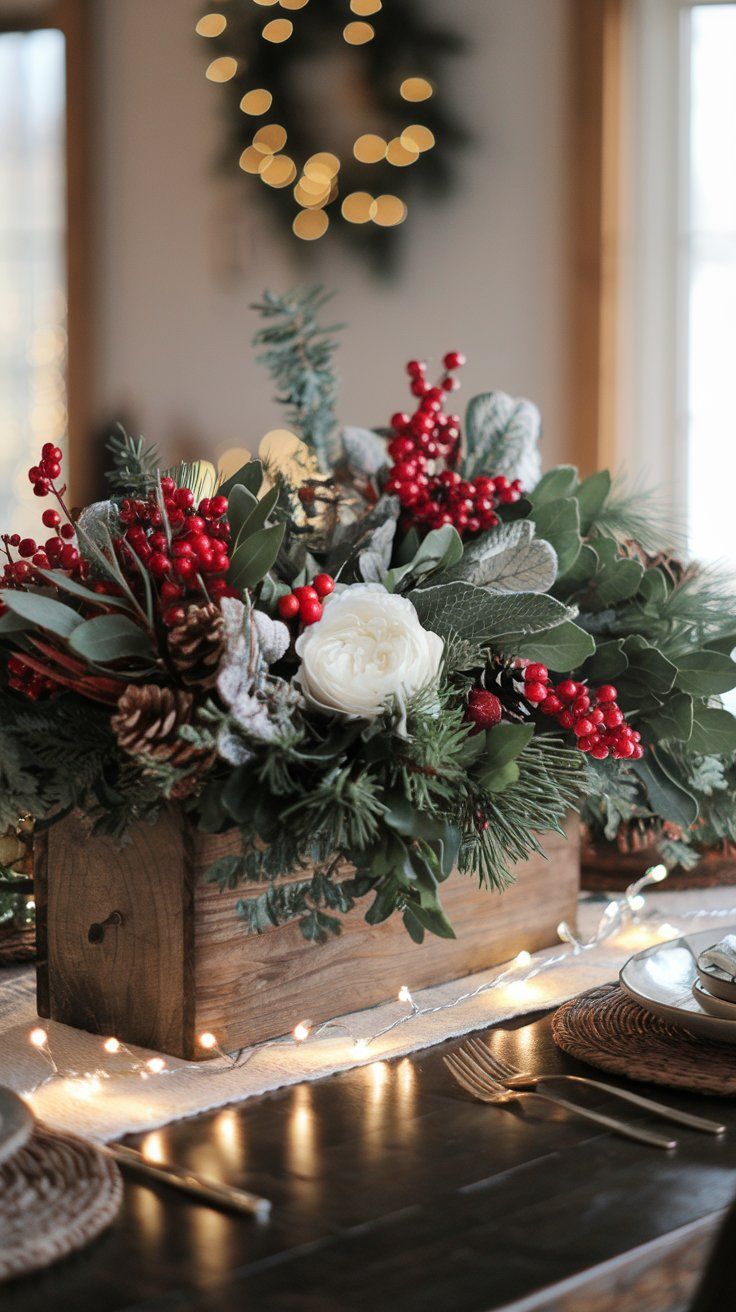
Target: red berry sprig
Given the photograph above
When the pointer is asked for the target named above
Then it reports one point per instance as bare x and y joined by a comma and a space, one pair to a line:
430, 496
594, 717
191, 558
483, 709
306, 601
25, 556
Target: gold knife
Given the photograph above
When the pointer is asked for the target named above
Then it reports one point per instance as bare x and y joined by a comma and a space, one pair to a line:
210, 1192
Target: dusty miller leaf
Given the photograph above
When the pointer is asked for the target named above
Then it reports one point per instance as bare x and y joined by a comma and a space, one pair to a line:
477, 615
375, 559
365, 451
509, 559
502, 436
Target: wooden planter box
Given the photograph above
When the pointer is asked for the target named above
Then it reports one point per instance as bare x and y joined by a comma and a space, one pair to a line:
179, 962
605, 868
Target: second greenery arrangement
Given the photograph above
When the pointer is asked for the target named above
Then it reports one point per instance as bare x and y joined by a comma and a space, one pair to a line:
401, 651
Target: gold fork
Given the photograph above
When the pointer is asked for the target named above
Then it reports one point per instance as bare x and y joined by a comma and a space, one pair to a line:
474, 1077
513, 1078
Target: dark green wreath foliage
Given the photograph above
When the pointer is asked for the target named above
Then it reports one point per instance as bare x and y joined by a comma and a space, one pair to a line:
310, 68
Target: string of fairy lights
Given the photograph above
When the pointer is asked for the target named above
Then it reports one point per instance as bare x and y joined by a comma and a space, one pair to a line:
620, 913
315, 183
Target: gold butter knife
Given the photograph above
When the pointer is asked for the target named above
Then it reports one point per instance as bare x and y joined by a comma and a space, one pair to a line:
210, 1192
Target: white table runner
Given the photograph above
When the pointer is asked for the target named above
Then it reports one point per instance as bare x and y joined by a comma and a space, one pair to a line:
123, 1103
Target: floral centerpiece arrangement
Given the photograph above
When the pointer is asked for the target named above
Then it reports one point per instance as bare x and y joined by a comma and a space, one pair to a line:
402, 652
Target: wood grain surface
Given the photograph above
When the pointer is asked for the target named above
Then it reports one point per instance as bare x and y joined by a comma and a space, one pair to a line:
181, 961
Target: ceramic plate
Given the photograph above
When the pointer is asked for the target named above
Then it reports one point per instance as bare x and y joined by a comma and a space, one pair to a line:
16, 1123
661, 979
712, 1005
717, 982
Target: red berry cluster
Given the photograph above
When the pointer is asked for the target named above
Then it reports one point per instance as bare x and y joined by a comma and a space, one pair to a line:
595, 718
24, 555
483, 709
184, 547
306, 602
44, 474
21, 678
430, 497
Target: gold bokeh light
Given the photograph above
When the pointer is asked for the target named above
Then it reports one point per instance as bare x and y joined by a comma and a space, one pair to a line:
358, 34
258, 101
211, 25
417, 138
364, 8
310, 224
278, 171
270, 139
400, 154
278, 30
251, 160
294, 4
358, 207
388, 211
416, 88
222, 69
370, 148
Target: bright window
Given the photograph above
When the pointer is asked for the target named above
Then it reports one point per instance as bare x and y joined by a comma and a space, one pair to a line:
32, 264
710, 278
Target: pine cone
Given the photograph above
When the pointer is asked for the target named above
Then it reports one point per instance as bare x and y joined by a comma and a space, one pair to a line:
197, 645
146, 725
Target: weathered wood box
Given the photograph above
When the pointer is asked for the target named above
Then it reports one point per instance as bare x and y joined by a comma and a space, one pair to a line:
174, 960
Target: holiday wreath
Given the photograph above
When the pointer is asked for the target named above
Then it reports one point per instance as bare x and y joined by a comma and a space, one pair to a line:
392, 658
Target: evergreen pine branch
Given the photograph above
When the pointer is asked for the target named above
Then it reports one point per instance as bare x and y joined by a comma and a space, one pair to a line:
134, 465
298, 353
636, 515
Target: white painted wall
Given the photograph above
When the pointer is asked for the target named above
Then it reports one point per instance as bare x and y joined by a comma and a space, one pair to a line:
485, 272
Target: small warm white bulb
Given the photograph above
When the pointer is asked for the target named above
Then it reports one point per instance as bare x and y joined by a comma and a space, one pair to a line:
611, 910
301, 1031
39, 1038
156, 1065
360, 1047
207, 1041
404, 994
523, 959
637, 902
657, 874
111, 1045
668, 931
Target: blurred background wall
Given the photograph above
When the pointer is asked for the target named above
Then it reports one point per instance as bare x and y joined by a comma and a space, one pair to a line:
179, 252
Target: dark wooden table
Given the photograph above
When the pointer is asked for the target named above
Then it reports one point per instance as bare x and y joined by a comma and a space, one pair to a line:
392, 1190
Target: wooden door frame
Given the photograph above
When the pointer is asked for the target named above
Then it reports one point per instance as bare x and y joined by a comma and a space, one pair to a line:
596, 135
73, 19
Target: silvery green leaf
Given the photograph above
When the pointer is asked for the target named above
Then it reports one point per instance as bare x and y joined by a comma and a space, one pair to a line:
365, 450
232, 747
509, 559
97, 520
478, 615
357, 533
502, 436
375, 559
273, 637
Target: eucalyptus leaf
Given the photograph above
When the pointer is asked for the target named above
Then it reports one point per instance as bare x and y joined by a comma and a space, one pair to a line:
705, 673
558, 522
65, 583
254, 558
674, 719
562, 481
439, 551
249, 475
714, 731
502, 437
498, 780
562, 648
668, 797
608, 661
44, 612
592, 495
258, 516
504, 743
617, 581
108, 638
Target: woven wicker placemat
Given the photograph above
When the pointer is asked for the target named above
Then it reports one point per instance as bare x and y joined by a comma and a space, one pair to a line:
606, 1028
56, 1194
17, 945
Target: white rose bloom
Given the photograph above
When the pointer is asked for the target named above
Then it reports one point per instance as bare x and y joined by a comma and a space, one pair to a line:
368, 648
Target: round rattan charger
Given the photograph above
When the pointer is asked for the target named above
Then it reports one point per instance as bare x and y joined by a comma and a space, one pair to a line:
606, 1028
